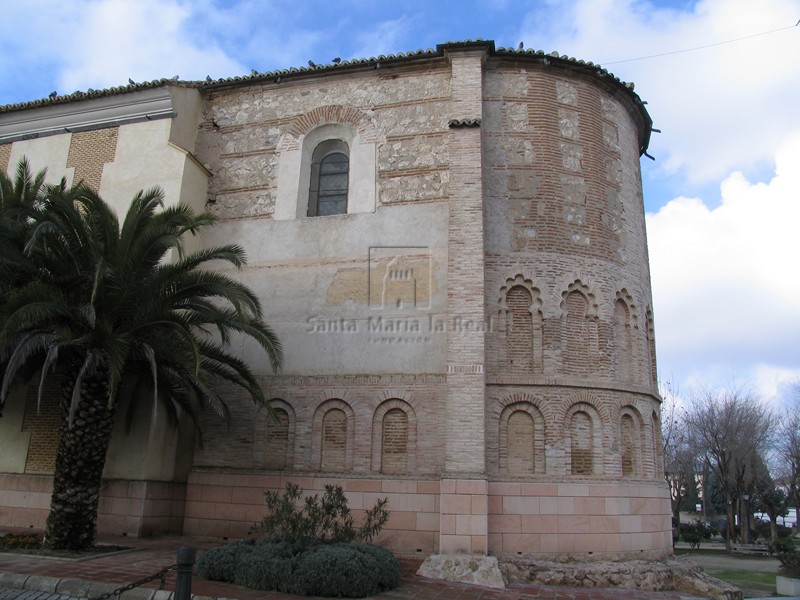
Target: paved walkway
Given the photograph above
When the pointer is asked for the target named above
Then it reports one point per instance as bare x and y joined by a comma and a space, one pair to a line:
27, 577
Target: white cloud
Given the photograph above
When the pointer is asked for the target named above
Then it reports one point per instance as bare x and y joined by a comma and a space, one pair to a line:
720, 108
143, 41
384, 38
725, 279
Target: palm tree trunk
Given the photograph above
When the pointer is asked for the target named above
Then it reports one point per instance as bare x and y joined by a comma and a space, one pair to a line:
82, 448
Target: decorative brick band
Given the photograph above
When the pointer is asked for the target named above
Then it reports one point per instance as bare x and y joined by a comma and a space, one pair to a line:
465, 369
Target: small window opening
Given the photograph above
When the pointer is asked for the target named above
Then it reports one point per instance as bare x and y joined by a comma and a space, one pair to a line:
330, 172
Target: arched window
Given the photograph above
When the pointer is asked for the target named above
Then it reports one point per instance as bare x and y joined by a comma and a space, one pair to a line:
521, 440
622, 339
651, 347
576, 359
520, 443
277, 440
520, 330
581, 446
334, 441
394, 458
629, 439
330, 172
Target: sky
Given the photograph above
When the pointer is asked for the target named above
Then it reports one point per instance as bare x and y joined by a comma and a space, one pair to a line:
721, 79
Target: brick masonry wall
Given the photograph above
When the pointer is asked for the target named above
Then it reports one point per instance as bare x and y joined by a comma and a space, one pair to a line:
42, 420
89, 151
543, 198
5, 157
404, 110
240, 443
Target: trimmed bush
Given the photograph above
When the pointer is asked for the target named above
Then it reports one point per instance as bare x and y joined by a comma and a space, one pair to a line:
345, 570
337, 570
268, 567
219, 564
307, 549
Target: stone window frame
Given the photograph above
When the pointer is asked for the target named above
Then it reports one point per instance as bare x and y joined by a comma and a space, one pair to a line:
377, 434
317, 423
295, 152
262, 423
538, 442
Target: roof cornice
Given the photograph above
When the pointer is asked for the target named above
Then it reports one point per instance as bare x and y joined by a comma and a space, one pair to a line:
151, 100
93, 113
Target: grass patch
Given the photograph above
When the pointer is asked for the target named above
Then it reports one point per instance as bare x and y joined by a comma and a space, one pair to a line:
751, 580
701, 550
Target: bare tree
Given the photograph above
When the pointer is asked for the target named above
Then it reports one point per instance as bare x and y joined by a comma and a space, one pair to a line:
788, 447
679, 454
731, 426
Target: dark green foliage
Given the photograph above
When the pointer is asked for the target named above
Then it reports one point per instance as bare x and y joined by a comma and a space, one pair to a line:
789, 557
113, 310
268, 567
691, 494
337, 570
307, 549
219, 564
343, 570
694, 533
318, 520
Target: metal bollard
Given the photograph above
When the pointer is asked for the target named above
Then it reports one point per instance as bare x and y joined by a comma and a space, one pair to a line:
183, 585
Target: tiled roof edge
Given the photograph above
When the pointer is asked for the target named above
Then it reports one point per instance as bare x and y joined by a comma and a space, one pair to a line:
375, 62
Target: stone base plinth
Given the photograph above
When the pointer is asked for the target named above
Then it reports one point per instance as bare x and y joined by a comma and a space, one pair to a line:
655, 576
787, 586
466, 568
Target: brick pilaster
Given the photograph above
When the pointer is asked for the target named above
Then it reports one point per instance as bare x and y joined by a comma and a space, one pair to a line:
463, 508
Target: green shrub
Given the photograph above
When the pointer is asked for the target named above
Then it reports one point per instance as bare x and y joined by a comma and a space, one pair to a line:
338, 570
317, 520
344, 570
268, 567
388, 569
788, 556
694, 533
219, 564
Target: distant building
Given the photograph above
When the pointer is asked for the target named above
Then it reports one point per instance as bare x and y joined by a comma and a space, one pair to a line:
451, 246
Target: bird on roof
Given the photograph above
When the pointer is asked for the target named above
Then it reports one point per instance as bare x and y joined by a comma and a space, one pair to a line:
312, 64
175, 77
131, 81
336, 60
53, 94
208, 79
521, 46
253, 72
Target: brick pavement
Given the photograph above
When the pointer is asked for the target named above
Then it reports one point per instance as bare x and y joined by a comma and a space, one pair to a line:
26, 577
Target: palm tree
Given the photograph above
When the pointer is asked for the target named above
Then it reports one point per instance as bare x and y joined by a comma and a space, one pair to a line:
117, 311
20, 199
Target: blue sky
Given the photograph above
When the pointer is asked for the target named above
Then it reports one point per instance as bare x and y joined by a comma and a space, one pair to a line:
721, 78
